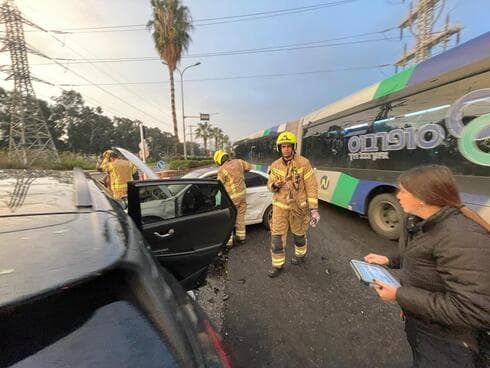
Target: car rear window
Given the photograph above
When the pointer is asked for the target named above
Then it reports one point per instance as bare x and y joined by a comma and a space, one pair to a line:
254, 180
91, 325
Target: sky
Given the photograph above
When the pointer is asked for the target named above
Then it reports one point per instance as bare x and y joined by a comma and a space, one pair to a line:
333, 48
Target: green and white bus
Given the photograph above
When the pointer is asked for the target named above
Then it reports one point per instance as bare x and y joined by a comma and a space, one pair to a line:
436, 112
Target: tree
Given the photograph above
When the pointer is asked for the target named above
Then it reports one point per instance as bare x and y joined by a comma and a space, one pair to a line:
66, 111
92, 132
161, 144
203, 131
170, 28
4, 119
225, 142
126, 134
216, 133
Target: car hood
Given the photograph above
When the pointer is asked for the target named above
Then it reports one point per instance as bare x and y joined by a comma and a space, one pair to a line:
149, 173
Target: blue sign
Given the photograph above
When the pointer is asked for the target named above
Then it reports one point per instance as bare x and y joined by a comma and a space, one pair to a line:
160, 164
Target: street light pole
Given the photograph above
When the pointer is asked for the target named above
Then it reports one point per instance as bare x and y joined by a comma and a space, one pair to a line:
182, 98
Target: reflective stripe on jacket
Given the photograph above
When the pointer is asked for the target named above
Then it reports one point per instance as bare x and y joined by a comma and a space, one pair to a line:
231, 174
300, 188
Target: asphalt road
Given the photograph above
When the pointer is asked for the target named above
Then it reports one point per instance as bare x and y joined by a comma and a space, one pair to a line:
313, 315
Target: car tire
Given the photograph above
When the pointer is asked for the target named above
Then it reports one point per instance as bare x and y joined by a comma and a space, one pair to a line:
385, 216
267, 218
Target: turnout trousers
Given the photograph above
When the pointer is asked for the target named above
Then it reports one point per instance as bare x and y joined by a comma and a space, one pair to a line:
240, 233
296, 219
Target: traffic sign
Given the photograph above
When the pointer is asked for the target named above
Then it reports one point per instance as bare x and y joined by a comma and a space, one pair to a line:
204, 117
161, 164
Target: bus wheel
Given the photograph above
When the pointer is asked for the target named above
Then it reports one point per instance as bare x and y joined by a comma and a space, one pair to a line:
267, 219
385, 216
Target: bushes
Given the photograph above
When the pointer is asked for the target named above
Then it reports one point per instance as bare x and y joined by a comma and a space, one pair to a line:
68, 160
188, 164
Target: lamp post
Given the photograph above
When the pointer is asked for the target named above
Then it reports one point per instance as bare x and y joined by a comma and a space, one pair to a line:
182, 95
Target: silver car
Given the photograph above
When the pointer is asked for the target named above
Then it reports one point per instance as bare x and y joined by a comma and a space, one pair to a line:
259, 198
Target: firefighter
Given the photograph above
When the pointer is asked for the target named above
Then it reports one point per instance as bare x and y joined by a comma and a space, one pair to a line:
295, 193
231, 174
119, 172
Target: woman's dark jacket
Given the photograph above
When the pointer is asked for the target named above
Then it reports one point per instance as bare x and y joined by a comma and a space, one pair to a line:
445, 274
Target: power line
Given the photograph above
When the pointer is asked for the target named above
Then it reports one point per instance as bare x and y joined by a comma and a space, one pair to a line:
209, 21
328, 5
104, 90
290, 47
102, 71
241, 77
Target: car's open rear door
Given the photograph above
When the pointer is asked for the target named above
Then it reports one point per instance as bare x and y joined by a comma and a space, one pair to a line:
186, 222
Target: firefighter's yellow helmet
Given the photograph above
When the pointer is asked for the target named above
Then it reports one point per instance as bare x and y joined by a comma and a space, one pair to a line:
286, 138
218, 157
107, 153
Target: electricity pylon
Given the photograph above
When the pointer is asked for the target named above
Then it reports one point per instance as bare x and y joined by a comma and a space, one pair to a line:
29, 137
423, 18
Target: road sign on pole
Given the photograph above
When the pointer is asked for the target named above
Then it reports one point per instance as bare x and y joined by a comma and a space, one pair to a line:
204, 117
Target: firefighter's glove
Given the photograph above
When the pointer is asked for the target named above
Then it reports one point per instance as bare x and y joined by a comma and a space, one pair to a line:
315, 218
277, 185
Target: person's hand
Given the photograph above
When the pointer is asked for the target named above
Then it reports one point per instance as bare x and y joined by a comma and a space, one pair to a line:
376, 259
385, 291
315, 218
278, 184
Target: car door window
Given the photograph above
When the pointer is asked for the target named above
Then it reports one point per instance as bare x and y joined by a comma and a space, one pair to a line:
254, 180
163, 202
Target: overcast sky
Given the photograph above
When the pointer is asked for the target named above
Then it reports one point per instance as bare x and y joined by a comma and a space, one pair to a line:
245, 91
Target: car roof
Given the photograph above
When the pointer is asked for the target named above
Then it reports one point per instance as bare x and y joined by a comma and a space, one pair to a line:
203, 171
33, 191
44, 246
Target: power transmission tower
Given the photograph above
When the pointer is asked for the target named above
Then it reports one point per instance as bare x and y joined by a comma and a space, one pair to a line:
423, 19
29, 138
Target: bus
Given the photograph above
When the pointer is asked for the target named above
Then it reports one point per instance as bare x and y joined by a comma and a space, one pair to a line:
436, 112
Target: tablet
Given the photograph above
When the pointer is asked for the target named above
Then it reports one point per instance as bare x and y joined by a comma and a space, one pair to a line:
367, 272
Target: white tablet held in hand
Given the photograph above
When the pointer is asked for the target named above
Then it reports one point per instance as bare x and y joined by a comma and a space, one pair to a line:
367, 272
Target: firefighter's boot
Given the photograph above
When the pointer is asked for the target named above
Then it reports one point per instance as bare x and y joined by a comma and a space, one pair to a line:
297, 260
274, 272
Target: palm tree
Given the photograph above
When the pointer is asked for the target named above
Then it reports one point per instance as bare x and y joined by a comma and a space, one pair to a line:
225, 142
203, 131
216, 133
170, 28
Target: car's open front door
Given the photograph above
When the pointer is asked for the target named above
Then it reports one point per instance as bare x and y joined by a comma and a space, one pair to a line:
186, 222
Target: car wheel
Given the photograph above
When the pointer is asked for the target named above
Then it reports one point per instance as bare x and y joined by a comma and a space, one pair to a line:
385, 216
267, 219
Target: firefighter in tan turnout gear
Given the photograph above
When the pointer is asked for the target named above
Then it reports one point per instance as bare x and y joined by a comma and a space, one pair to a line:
294, 200
119, 172
231, 174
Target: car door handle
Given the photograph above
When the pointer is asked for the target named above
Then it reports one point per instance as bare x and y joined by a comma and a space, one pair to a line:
170, 233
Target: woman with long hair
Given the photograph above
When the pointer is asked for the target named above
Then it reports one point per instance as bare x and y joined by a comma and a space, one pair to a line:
444, 258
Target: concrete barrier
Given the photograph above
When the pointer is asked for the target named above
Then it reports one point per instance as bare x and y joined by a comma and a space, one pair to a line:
165, 174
